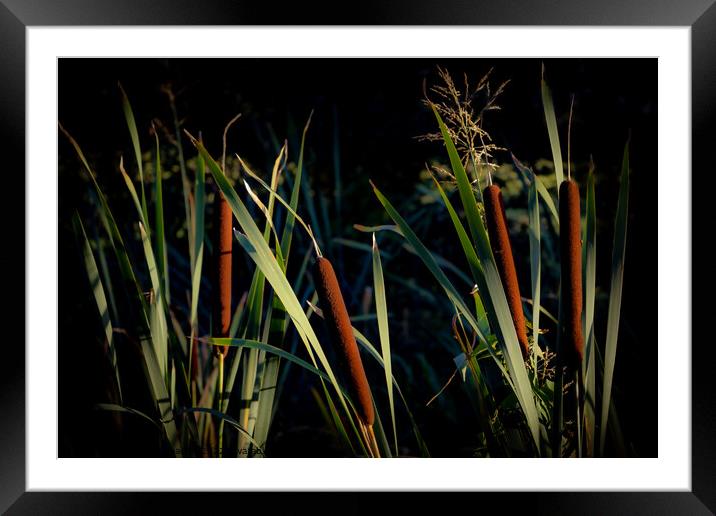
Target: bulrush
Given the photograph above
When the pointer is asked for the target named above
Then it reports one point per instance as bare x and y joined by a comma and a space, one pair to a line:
571, 261
502, 250
339, 325
222, 240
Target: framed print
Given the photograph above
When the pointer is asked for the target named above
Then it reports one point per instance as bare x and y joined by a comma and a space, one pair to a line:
429, 251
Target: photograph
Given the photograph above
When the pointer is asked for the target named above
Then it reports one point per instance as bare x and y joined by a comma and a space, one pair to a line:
357, 257
460, 235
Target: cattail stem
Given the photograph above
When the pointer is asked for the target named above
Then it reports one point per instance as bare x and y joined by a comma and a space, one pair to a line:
194, 369
364, 435
220, 386
341, 331
502, 250
372, 442
366, 440
579, 382
577, 419
571, 271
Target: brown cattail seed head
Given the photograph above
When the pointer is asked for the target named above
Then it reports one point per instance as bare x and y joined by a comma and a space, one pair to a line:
222, 239
571, 279
502, 250
341, 331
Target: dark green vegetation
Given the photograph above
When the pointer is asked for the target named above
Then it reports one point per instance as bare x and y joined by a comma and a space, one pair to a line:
429, 310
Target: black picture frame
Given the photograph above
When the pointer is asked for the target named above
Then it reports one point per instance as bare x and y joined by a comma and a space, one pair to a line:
17, 15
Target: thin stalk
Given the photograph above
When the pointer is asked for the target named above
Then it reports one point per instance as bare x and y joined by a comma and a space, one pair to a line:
373, 443
577, 419
477, 177
186, 186
569, 141
221, 404
369, 439
580, 409
556, 437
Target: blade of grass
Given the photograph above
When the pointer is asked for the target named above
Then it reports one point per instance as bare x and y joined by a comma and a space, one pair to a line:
132, 192
99, 296
132, 126
278, 167
111, 407
262, 346
193, 239
551, 121
157, 319
173, 385
482, 320
267, 392
549, 201
104, 268
161, 395
380, 437
287, 236
381, 309
541, 190
535, 265
615, 431
161, 252
615, 294
472, 260
267, 212
375, 229
590, 258
254, 305
197, 253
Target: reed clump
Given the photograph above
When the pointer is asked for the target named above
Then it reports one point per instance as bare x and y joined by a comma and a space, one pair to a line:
502, 251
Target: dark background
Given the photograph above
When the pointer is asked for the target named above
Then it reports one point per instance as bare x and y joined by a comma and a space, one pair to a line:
377, 105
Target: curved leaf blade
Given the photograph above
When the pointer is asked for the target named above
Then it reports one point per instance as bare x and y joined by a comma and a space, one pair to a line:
615, 294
